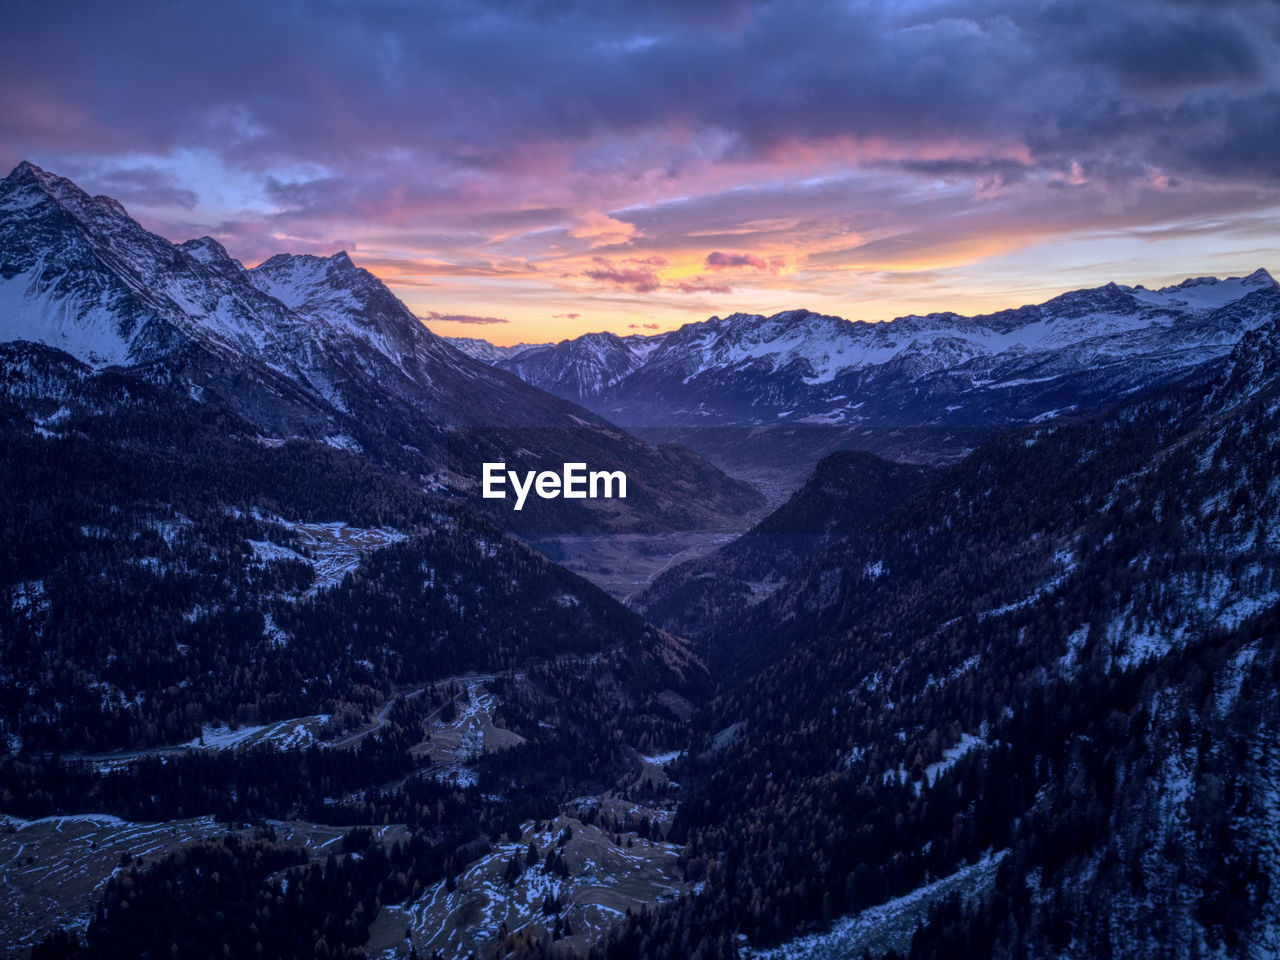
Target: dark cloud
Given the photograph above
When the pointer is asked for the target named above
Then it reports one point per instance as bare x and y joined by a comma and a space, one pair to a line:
565, 316
146, 186
1004, 170
644, 326
1185, 49
463, 318
467, 89
734, 261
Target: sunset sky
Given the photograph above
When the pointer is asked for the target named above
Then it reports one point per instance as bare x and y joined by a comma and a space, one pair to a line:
530, 171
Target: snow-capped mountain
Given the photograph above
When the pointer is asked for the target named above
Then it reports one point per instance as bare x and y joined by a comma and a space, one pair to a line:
584, 367
78, 274
576, 369
1070, 354
82, 276
301, 346
491, 353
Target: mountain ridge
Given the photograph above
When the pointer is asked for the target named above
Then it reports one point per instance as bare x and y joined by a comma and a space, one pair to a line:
941, 368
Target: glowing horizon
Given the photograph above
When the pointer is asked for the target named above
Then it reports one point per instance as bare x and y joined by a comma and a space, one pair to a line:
530, 174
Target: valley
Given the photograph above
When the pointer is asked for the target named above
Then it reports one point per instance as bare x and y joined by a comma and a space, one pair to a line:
943, 636
623, 565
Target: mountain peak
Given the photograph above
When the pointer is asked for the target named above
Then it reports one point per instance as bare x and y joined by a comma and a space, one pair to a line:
1259, 278
307, 263
26, 170
27, 174
206, 249
27, 184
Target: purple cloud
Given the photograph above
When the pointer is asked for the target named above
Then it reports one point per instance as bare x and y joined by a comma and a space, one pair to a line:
507, 144
463, 318
734, 261
637, 275
347, 87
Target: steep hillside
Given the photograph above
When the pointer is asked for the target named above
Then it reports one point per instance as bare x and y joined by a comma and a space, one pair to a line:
1058, 653
176, 571
848, 492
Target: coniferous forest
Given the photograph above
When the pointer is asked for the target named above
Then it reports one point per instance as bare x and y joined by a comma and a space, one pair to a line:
1009, 671
908, 636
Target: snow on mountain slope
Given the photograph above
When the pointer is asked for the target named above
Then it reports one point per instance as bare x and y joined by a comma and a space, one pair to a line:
306, 347
831, 345
87, 328
583, 367
1073, 353
78, 269
345, 302
491, 353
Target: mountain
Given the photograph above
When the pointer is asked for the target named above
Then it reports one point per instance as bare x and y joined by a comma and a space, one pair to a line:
490, 353
576, 369
584, 367
1029, 711
169, 533
847, 493
239, 584
860, 512
241, 647
315, 348
948, 379
270, 688
1069, 354
1023, 705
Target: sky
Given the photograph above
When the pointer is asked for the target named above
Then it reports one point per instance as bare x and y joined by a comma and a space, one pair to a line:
527, 171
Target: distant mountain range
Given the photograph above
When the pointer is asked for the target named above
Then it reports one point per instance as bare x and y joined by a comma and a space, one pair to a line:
579, 369
1069, 355
316, 349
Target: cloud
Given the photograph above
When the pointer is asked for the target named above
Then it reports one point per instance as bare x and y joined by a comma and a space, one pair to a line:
463, 318
145, 186
626, 93
530, 148
644, 326
565, 316
734, 261
701, 285
602, 230
640, 277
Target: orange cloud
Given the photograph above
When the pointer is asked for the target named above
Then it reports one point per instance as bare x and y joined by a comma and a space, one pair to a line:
602, 230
